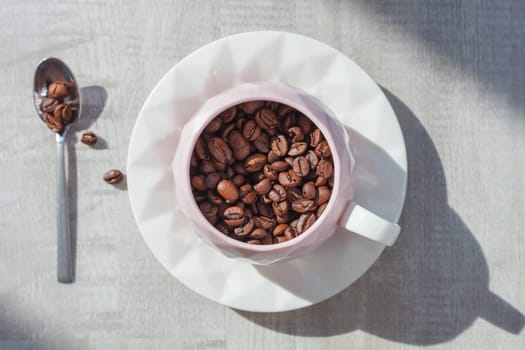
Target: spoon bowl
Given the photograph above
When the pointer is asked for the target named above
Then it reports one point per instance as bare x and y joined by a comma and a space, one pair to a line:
49, 70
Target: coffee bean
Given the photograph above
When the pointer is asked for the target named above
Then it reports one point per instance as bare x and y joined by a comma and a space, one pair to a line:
194, 162
304, 123
48, 105
309, 190
289, 121
279, 166
89, 138
321, 209
219, 150
251, 131
262, 143
280, 208
238, 180
296, 134
323, 196
270, 173
266, 119
53, 123
199, 183
255, 162
207, 167
297, 148
312, 159
212, 179
331, 181
252, 106
290, 233
228, 190
246, 227
264, 222
258, 233
272, 157
228, 115
247, 194
218, 165
289, 179
315, 137
239, 145
234, 216
226, 130
301, 166
277, 193
213, 126
279, 229
283, 110
114, 176
254, 241
274, 106
240, 123
280, 146
323, 150
304, 222
263, 187
58, 89
200, 149
303, 205
324, 168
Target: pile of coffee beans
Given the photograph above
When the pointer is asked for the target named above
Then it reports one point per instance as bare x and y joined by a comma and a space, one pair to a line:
262, 172
58, 106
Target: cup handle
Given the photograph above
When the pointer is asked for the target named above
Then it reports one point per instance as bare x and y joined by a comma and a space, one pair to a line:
370, 225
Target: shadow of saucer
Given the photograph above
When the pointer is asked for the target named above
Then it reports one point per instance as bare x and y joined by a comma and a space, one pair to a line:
426, 289
93, 102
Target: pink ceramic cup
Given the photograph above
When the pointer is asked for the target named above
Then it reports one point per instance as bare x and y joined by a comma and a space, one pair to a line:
341, 211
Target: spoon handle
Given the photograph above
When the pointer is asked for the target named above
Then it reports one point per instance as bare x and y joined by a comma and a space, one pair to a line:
64, 253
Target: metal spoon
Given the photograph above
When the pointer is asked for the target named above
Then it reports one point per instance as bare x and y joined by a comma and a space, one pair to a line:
49, 70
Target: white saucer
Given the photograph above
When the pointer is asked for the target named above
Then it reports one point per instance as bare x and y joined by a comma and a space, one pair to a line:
381, 168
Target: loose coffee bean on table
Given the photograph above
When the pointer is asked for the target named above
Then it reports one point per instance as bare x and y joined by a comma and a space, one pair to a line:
57, 106
114, 176
261, 172
89, 138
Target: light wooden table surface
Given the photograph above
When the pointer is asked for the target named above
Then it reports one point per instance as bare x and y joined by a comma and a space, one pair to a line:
455, 74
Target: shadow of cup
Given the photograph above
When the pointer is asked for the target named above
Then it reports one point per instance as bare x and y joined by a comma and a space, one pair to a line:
426, 289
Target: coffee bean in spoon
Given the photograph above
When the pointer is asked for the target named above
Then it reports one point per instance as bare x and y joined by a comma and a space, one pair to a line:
58, 90
48, 104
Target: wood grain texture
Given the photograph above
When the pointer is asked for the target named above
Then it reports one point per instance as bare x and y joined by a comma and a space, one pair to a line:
454, 73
